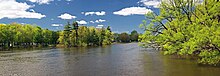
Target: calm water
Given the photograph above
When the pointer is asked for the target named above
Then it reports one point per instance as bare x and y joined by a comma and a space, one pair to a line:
114, 60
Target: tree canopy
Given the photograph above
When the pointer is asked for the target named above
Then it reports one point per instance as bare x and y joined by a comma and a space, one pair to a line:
19, 35
185, 27
87, 36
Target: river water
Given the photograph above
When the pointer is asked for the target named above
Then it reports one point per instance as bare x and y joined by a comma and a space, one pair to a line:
113, 60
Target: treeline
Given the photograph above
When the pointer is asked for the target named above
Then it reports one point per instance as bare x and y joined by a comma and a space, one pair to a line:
19, 35
26, 35
186, 28
126, 38
74, 35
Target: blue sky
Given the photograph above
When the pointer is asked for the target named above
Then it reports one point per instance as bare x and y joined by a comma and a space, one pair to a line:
121, 15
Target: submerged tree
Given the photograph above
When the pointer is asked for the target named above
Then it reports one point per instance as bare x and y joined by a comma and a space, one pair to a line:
186, 27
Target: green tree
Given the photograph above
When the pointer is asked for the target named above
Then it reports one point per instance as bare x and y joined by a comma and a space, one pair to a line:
47, 36
134, 36
185, 27
82, 36
76, 27
124, 37
108, 38
38, 36
55, 37
19, 35
66, 34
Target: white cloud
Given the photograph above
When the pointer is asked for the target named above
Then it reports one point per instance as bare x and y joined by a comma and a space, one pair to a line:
56, 25
66, 16
98, 21
150, 3
91, 21
41, 1
156, 3
100, 13
133, 11
12, 9
82, 22
101, 20
99, 26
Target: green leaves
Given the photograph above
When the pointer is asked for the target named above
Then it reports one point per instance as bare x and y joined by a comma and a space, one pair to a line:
25, 35
209, 57
87, 36
186, 28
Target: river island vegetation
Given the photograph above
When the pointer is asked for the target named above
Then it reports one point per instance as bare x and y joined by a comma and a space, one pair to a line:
17, 35
185, 28
74, 35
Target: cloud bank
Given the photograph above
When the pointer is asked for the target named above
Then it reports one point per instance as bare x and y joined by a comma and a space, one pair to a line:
12, 9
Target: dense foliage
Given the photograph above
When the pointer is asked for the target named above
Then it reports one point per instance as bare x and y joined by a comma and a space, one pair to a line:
186, 27
85, 36
134, 36
18, 35
126, 38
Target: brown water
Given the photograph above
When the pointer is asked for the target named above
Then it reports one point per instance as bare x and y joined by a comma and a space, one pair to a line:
114, 60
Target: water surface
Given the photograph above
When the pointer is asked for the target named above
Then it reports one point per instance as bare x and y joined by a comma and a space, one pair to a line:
113, 60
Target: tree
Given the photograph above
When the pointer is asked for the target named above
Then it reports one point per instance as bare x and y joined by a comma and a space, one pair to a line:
38, 36
19, 35
186, 27
85, 36
47, 37
108, 37
109, 28
66, 35
75, 27
82, 36
116, 37
124, 37
2, 35
134, 36
55, 37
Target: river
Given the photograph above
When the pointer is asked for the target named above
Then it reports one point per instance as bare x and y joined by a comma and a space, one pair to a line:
114, 60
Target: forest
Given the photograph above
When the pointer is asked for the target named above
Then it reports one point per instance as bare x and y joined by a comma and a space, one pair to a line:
26, 35
185, 28
75, 35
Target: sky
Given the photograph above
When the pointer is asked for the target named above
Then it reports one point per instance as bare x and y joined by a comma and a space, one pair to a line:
120, 15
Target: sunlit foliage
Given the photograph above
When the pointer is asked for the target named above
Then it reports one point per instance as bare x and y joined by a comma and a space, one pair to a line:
25, 35
185, 27
87, 36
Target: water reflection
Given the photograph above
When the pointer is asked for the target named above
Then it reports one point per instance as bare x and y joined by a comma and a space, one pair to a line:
114, 60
